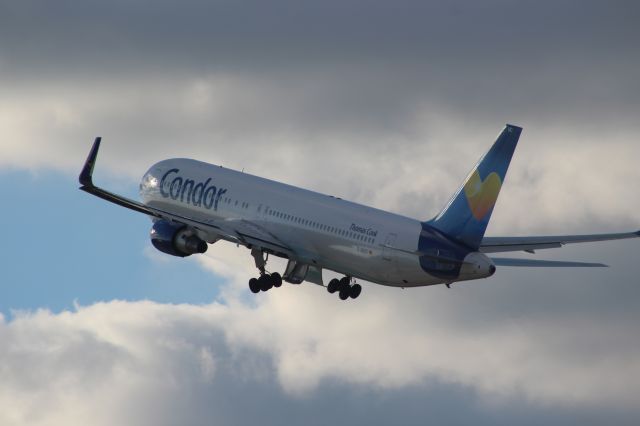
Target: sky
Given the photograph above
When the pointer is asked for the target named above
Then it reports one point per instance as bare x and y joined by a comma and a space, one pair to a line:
383, 103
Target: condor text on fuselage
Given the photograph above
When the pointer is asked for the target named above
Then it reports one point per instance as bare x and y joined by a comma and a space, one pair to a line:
174, 186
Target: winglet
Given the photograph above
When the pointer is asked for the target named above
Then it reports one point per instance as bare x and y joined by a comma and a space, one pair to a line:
86, 175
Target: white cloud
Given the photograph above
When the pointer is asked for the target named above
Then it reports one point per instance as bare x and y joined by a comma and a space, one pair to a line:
148, 362
564, 176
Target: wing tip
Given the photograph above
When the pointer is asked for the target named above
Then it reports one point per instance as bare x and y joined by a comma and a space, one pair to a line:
86, 175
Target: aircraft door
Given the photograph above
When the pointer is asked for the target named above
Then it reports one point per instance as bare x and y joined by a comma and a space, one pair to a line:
390, 258
387, 250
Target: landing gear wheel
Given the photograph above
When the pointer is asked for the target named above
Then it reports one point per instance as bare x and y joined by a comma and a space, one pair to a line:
333, 285
276, 279
254, 286
355, 291
265, 282
345, 283
344, 293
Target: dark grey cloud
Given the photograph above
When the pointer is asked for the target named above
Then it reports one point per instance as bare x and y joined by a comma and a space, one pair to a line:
285, 32
372, 61
404, 95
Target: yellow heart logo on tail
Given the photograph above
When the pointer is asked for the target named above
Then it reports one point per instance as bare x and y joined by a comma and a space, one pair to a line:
482, 195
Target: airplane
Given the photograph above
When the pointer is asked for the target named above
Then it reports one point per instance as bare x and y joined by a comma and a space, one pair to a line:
193, 204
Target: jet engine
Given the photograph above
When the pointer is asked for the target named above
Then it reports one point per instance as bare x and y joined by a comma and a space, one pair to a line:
175, 239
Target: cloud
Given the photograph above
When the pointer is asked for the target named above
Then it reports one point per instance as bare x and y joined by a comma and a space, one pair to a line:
388, 105
573, 175
394, 102
157, 364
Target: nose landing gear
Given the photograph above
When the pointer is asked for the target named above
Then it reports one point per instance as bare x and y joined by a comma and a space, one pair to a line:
344, 288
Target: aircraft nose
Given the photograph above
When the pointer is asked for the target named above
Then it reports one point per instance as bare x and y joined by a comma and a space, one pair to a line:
492, 270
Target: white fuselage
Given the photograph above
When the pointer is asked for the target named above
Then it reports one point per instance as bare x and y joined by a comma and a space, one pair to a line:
324, 231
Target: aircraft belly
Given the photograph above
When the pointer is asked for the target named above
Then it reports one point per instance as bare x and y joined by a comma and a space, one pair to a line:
368, 264
410, 274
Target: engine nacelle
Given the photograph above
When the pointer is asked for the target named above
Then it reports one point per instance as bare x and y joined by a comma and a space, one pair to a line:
176, 240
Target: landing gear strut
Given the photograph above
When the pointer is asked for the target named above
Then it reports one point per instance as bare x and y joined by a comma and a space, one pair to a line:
344, 288
265, 281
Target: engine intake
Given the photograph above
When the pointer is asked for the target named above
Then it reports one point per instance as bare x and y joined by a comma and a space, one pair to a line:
176, 240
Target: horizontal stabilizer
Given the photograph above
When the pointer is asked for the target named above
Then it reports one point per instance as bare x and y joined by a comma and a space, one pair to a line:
502, 261
502, 244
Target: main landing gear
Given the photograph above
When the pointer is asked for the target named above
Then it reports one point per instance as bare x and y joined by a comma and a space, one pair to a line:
344, 288
265, 281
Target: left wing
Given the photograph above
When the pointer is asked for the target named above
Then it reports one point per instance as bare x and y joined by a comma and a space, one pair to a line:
239, 231
530, 244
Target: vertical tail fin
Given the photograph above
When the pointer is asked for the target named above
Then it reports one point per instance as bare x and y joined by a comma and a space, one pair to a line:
467, 214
